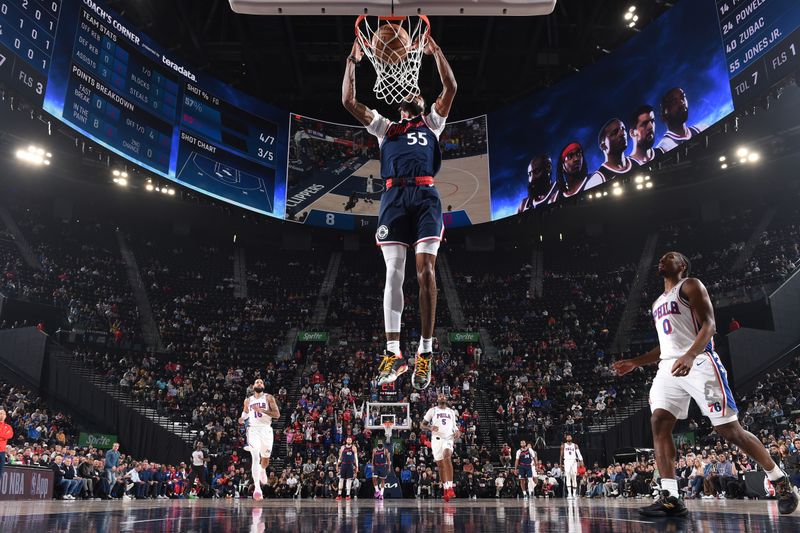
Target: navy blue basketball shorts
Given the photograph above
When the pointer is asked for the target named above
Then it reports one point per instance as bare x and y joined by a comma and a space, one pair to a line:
380, 472
410, 215
346, 471
525, 471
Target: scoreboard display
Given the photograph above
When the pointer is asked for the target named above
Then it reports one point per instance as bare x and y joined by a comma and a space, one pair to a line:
762, 43
121, 89
91, 69
27, 39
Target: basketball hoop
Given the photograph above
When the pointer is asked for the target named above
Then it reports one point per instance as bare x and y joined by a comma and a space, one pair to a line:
396, 67
387, 428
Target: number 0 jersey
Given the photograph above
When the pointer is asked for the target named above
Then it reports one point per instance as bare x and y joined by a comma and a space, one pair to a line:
676, 324
258, 419
409, 148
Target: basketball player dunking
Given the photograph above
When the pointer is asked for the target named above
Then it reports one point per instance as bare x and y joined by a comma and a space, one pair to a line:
380, 468
348, 466
689, 368
526, 469
570, 457
411, 210
258, 412
442, 421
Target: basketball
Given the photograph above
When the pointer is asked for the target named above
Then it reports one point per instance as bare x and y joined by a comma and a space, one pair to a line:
391, 43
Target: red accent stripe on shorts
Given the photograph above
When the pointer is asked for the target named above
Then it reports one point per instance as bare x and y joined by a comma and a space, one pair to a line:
404, 182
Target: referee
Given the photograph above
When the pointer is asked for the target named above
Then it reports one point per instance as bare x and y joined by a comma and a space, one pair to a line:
199, 459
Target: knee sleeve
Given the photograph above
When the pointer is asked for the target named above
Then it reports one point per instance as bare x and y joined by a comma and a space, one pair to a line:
394, 256
428, 247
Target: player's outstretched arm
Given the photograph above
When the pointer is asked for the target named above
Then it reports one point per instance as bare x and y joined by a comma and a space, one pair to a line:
361, 112
624, 366
445, 100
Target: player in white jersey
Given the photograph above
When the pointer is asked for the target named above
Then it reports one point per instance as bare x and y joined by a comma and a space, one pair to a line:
258, 412
688, 368
570, 457
442, 421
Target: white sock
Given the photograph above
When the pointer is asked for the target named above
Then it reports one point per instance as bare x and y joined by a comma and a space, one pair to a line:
425, 345
381, 491
393, 347
349, 484
775, 474
670, 485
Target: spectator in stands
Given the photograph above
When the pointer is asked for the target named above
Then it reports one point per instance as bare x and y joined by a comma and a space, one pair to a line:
111, 464
733, 325
6, 434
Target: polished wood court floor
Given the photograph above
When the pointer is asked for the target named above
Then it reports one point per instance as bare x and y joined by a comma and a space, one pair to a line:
388, 516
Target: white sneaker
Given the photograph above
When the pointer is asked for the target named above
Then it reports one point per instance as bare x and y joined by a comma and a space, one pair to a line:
258, 496
124, 497
708, 497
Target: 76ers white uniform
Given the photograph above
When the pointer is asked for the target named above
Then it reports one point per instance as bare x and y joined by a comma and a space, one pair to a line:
259, 427
707, 381
445, 420
571, 457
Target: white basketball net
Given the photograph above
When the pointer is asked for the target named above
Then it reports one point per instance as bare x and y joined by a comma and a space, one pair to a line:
397, 75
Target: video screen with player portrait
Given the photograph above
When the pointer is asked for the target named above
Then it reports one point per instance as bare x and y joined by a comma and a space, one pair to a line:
661, 88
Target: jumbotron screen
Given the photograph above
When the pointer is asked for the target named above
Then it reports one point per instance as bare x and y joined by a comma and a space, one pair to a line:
94, 71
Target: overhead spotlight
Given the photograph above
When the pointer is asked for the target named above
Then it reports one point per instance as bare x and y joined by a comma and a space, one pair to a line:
615, 184
172, 192
164, 190
158, 189
721, 158
617, 191
639, 179
149, 187
122, 182
33, 155
649, 185
742, 160
631, 9
635, 18
647, 178
605, 193
723, 166
742, 152
116, 173
639, 186
753, 157
628, 15
631, 24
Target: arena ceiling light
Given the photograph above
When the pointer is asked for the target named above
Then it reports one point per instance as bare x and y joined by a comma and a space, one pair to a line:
148, 186
34, 155
742, 152
752, 157
723, 166
120, 178
649, 185
639, 186
617, 191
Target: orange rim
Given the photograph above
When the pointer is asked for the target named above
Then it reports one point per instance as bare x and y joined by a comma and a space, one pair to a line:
365, 42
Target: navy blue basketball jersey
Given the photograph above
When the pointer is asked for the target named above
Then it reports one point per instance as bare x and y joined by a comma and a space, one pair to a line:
409, 148
348, 455
379, 458
525, 457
